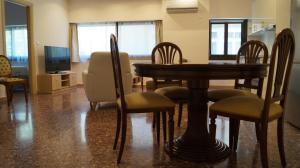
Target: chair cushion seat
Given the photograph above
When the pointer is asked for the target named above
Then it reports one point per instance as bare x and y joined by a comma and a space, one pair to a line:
174, 92
245, 108
12, 80
219, 94
146, 101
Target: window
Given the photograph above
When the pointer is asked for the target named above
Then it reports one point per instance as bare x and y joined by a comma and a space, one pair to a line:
226, 37
17, 45
94, 37
136, 38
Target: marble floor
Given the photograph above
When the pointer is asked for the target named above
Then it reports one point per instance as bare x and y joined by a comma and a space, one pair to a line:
59, 130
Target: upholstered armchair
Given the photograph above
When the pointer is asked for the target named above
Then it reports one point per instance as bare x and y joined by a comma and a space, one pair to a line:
98, 80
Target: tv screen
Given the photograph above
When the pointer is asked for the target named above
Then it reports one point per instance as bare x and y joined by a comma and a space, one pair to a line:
57, 59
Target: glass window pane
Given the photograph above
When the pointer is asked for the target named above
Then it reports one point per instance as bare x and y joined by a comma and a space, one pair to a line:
94, 37
217, 39
17, 45
137, 38
234, 38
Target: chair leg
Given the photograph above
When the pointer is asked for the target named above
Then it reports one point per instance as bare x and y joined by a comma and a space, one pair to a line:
11, 94
93, 105
118, 128
153, 120
280, 140
179, 114
257, 130
236, 134
25, 92
171, 132
142, 84
212, 127
164, 120
123, 136
8, 94
158, 127
263, 145
231, 133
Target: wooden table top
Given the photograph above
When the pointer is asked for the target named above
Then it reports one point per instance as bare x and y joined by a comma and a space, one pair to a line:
204, 71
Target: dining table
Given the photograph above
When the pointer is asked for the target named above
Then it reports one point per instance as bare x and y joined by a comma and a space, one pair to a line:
196, 143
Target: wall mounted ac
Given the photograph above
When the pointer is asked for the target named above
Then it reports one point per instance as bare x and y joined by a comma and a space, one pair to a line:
182, 6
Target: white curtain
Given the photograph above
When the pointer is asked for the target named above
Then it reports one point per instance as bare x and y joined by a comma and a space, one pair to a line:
158, 31
74, 46
94, 37
17, 45
137, 38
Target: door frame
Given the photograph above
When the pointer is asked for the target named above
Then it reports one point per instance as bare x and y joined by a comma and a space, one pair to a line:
31, 51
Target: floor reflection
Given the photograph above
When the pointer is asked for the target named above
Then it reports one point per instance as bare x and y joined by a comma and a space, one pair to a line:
59, 130
82, 127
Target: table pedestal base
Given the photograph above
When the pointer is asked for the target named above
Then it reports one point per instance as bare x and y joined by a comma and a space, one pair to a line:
200, 153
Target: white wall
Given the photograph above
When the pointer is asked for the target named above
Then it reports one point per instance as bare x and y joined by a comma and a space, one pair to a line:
185, 30
188, 30
51, 27
116, 10
264, 9
283, 14
231, 8
50, 24
276, 11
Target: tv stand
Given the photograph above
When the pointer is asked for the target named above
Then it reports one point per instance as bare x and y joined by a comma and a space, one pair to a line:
49, 83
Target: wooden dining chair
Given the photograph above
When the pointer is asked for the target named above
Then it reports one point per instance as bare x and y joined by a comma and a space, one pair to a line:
262, 111
169, 53
143, 102
251, 51
9, 81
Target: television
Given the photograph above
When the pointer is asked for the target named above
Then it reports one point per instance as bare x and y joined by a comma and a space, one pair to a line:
57, 59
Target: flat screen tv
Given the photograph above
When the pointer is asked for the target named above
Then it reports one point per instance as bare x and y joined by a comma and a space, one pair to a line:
57, 59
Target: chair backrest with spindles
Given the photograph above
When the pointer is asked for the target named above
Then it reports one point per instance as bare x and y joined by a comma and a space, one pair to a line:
282, 57
117, 70
166, 53
252, 51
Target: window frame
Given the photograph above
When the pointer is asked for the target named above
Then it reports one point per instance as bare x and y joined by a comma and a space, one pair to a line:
117, 24
226, 22
135, 57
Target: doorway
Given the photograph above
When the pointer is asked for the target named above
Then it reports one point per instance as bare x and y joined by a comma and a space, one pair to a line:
16, 39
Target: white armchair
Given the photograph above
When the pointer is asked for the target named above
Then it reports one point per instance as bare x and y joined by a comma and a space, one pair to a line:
98, 80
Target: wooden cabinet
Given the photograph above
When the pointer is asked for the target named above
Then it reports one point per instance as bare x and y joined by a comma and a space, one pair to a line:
48, 83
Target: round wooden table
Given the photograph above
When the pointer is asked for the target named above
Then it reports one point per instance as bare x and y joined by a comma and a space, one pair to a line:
196, 144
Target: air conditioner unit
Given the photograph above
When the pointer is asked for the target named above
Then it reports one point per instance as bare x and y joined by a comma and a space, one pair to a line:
182, 6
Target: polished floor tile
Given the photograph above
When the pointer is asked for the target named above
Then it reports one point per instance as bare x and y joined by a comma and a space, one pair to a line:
59, 130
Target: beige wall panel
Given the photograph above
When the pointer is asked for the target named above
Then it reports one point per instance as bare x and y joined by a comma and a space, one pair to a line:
116, 10
283, 14
231, 8
51, 27
264, 9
